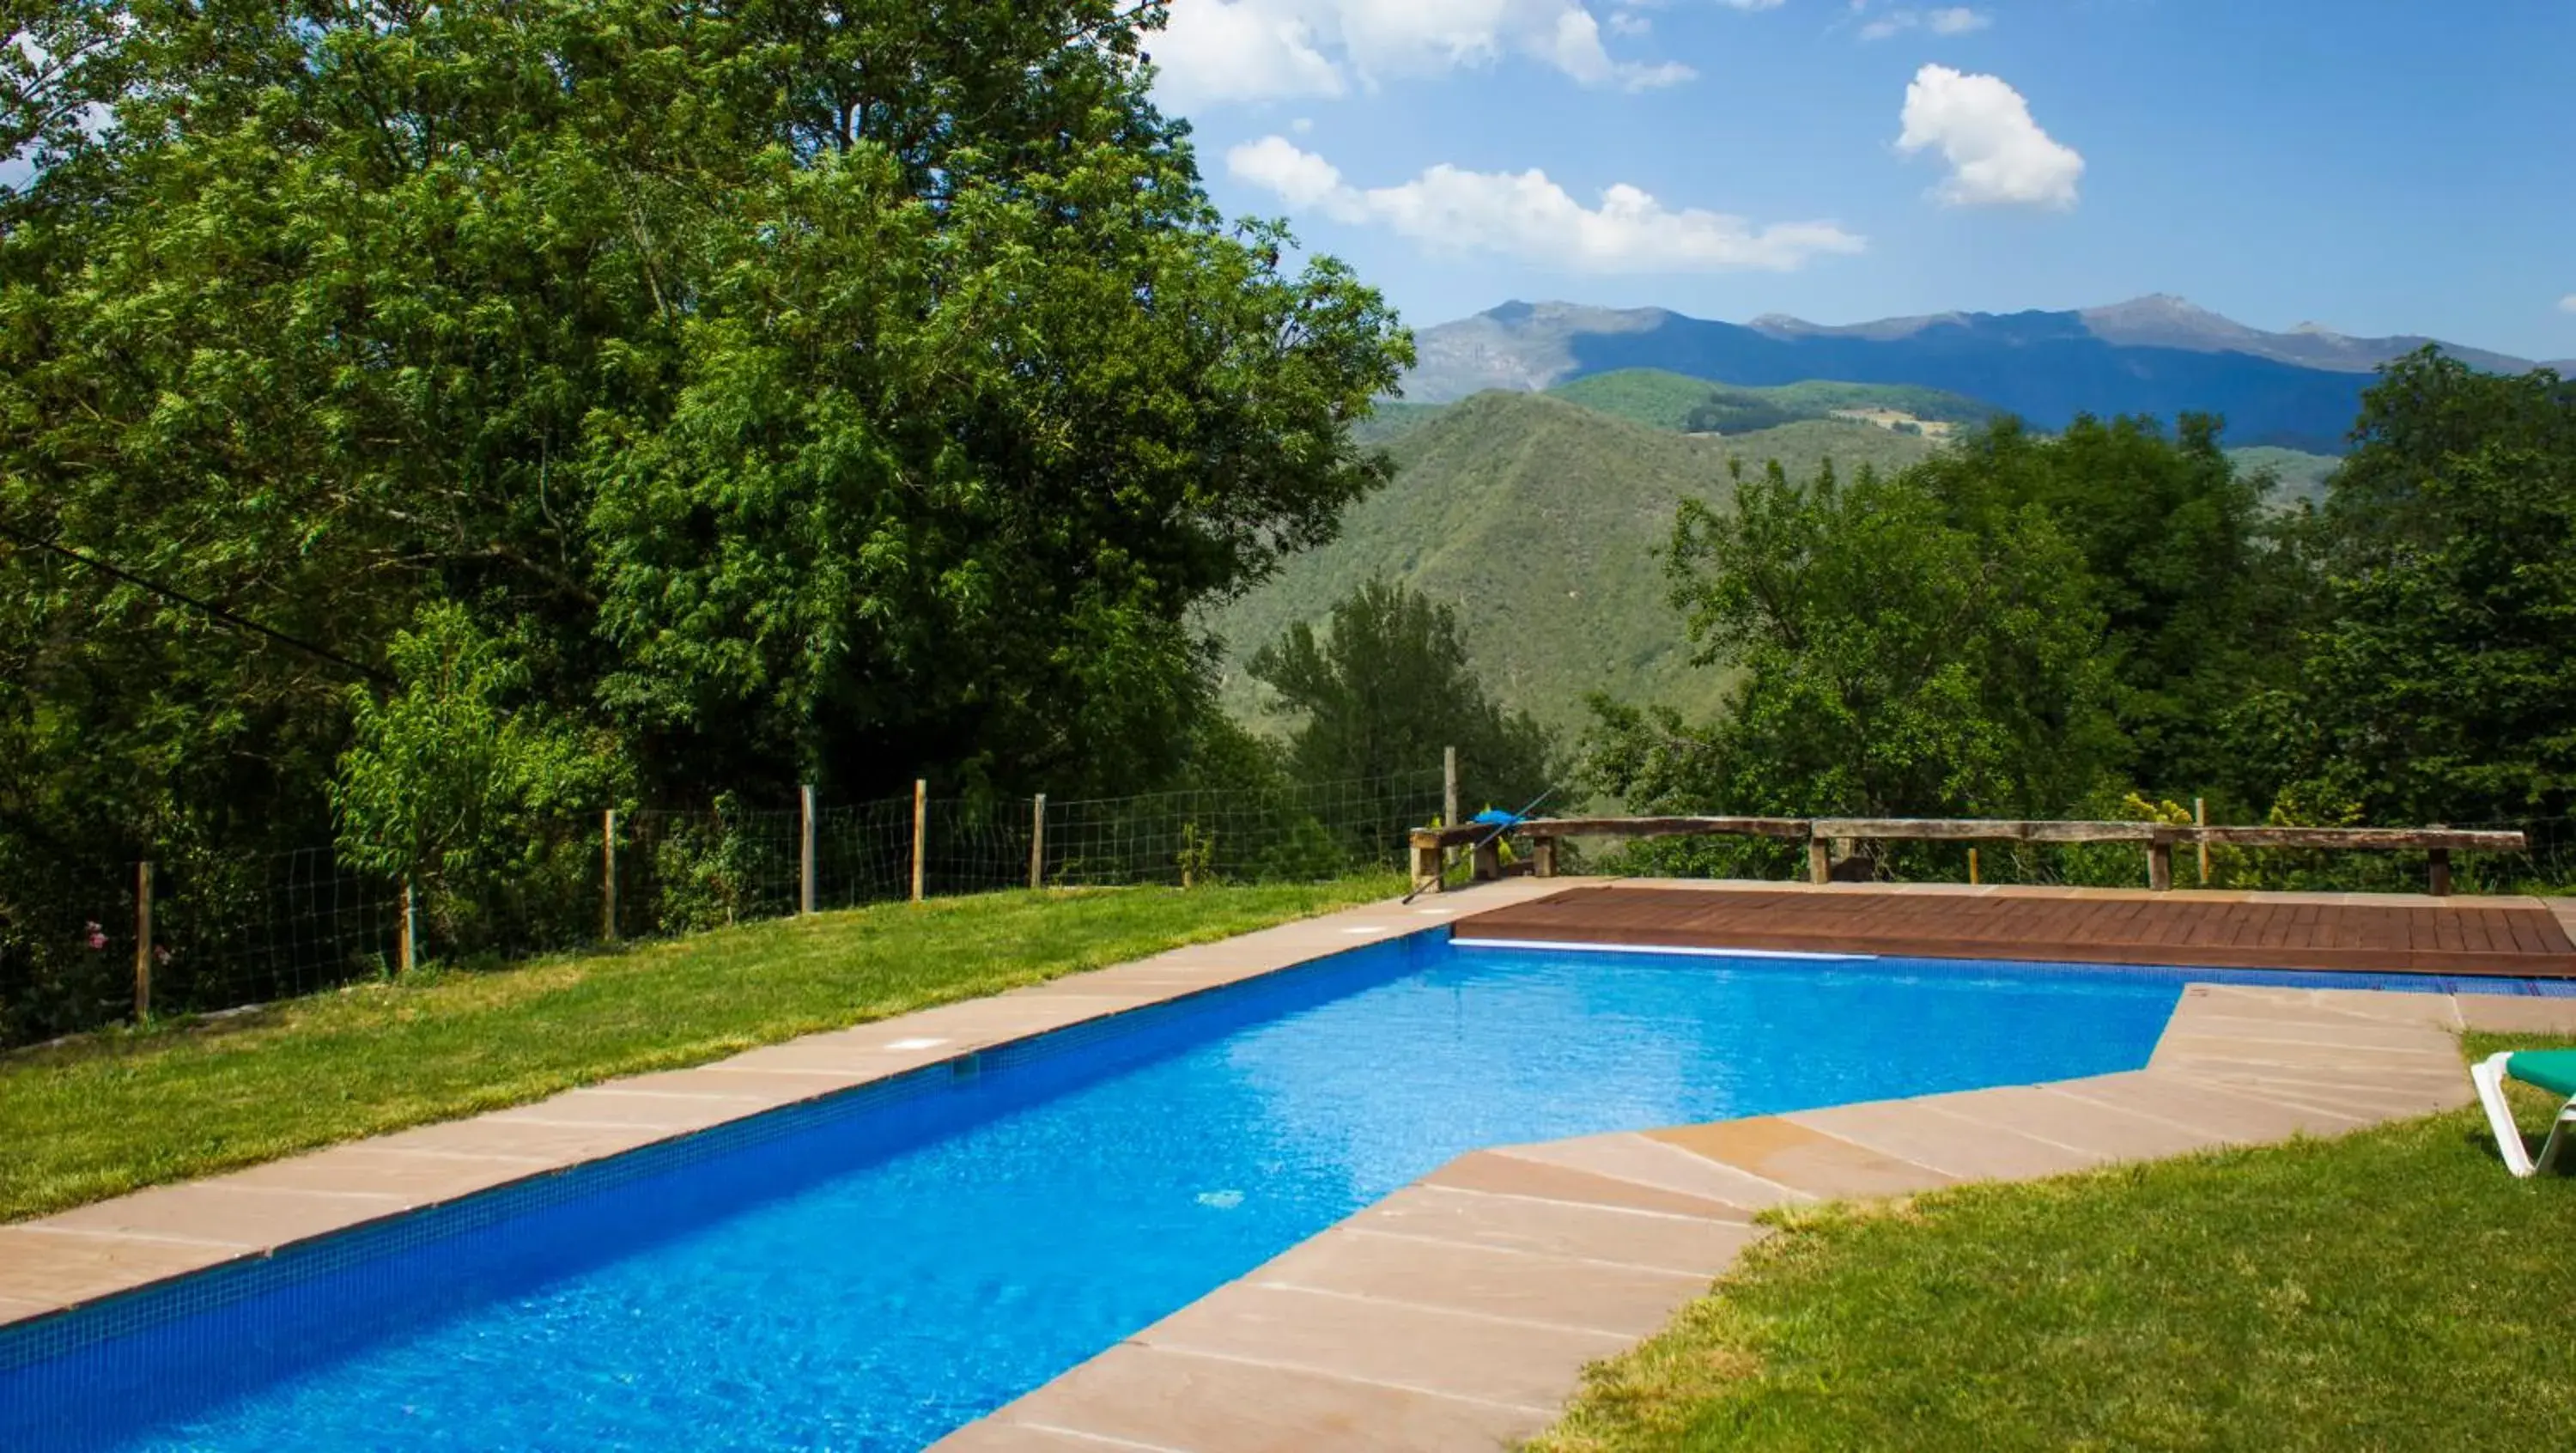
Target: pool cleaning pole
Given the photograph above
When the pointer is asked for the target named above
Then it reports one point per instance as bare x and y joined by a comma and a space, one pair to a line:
1499, 829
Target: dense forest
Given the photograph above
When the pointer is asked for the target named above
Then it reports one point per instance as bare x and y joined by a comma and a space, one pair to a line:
416, 417
419, 422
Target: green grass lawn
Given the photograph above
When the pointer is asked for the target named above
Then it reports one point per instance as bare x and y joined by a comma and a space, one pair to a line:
97, 1117
2393, 1289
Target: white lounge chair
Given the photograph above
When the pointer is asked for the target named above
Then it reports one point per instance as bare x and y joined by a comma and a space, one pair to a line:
2553, 1070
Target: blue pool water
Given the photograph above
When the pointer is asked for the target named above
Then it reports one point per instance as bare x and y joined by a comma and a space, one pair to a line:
870, 1272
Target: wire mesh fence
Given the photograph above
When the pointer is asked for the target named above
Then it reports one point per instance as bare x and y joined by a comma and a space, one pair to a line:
224, 933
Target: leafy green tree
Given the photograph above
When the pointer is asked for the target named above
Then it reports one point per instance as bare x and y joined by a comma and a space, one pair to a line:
449, 780
808, 393
1889, 660
2441, 685
1386, 686
2200, 596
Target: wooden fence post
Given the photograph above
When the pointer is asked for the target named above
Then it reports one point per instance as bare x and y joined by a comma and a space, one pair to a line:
1972, 867
1037, 843
608, 876
920, 831
2200, 818
407, 953
142, 942
805, 858
2160, 867
1820, 862
1448, 792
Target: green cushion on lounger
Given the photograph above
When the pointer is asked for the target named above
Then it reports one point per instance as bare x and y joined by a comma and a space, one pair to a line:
2553, 1070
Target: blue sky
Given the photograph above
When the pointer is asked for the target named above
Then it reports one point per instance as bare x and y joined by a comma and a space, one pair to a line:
2378, 166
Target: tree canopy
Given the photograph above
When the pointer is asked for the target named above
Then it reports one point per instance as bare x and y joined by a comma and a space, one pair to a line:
1889, 658
834, 393
2439, 683
1386, 687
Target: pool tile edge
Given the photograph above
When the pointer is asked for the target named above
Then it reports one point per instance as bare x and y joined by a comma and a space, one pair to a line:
599, 1122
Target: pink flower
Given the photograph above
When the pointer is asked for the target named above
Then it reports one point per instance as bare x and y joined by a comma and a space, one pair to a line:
97, 937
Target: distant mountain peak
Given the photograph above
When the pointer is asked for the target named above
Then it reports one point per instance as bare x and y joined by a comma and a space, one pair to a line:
2164, 318
2170, 304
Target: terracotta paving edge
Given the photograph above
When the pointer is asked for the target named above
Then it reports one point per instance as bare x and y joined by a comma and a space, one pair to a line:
1027, 1013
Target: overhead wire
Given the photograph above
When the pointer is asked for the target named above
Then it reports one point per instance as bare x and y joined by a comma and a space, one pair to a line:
217, 612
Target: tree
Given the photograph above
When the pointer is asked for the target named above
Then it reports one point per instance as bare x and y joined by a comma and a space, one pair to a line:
1889, 660
447, 782
2200, 597
1386, 686
2441, 685
835, 394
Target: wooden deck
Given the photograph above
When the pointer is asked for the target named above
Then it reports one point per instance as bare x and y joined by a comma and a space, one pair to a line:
2497, 937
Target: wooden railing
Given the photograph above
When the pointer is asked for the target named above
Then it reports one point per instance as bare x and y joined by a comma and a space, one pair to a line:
1830, 837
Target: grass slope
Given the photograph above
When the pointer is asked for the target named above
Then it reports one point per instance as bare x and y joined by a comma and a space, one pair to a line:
1661, 400
1539, 521
2393, 1289
95, 1118
2302, 476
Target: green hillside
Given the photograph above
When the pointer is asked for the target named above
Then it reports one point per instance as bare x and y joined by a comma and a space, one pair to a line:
1677, 402
1392, 419
1539, 521
2303, 476
1647, 396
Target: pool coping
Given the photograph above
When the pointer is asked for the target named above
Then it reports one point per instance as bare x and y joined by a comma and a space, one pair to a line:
60, 1263
1457, 1313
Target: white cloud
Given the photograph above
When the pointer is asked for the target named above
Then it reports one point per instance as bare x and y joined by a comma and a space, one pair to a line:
1948, 20
2567, 304
1527, 217
1982, 127
1629, 22
1215, 51
1241, 50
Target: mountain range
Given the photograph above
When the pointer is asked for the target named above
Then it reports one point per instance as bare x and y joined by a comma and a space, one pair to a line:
2158, 355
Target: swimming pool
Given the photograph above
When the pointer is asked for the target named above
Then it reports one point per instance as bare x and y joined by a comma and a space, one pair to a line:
873, 1270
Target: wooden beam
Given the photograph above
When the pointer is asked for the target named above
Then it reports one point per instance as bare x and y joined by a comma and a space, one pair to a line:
2160, 867
1971, 829
2352, 839
1946, 829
